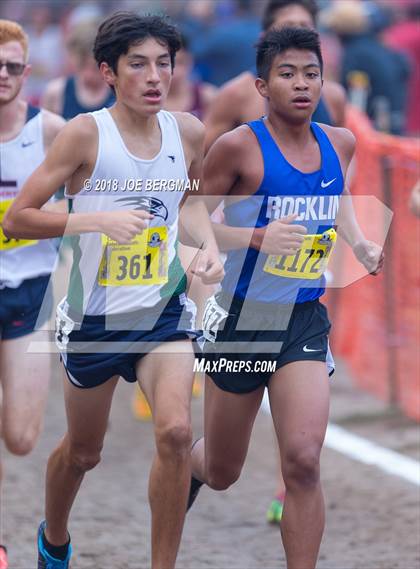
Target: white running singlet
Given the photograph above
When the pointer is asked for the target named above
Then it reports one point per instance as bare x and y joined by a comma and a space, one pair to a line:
108, 278
22, 259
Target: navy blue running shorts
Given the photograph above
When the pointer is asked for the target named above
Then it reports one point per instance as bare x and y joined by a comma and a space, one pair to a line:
95, 348
22, 309
244, 344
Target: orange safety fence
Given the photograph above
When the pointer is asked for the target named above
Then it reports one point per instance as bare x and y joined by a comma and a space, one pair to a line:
376, 320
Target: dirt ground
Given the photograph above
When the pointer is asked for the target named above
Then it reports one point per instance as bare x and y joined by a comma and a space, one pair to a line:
373, 518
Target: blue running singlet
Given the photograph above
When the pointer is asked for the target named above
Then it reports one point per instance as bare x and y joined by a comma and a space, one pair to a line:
285, 190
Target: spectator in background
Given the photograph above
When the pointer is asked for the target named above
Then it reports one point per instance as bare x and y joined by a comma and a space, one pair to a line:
405, 36
85, 91
186, 93
46, 50
369, 66
227, 49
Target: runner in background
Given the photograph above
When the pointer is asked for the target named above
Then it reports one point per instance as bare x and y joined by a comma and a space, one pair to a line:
26, 133
186, 93
85, 90
238, 101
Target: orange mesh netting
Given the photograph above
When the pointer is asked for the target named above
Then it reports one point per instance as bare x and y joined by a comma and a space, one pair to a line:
376, 322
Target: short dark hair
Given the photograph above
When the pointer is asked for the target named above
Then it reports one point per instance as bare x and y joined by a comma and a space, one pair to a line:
185, 42
120, 31
277, 41
274, 6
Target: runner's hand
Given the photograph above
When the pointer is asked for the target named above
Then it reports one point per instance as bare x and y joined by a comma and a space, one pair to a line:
123, 225
280, 237
371, 256
209, 267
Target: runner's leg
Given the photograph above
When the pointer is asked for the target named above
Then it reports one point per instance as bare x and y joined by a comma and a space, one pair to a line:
166, 379
299, 400
79, 451
217, 459
25, 378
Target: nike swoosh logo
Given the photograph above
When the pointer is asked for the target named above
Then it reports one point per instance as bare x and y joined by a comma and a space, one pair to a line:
326, 184
25, 144
306, 349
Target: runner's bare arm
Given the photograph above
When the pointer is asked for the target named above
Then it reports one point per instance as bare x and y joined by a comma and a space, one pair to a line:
276, 238
344, 143
52, 99
224, 113
208, 95
51, 126
222, 169
414, 202
194, 216
335, 97
370, 254
68, 154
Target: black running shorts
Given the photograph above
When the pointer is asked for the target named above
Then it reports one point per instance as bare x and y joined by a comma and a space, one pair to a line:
244, 343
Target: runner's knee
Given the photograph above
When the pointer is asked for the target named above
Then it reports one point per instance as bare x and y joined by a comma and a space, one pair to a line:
82, 458
20, 443
174, 439
221, 475
301, 467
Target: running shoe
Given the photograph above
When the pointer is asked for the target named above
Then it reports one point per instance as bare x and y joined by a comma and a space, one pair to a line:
45, 560
275, 511
4, 563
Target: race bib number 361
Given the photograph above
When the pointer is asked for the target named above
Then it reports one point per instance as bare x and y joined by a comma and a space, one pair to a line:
144, 261
7, 243
309, 262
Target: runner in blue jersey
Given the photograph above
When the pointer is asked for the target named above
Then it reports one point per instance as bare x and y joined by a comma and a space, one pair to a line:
282, 178
239, 102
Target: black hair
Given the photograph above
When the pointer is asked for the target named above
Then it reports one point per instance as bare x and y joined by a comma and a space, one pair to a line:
276, 41
120, 31
185, 42
269, 15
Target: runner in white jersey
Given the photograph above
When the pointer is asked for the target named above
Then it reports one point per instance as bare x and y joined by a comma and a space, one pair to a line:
126, 289
127, 182
25, 265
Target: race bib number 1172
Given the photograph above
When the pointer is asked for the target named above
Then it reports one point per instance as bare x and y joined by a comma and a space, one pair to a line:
309, 262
